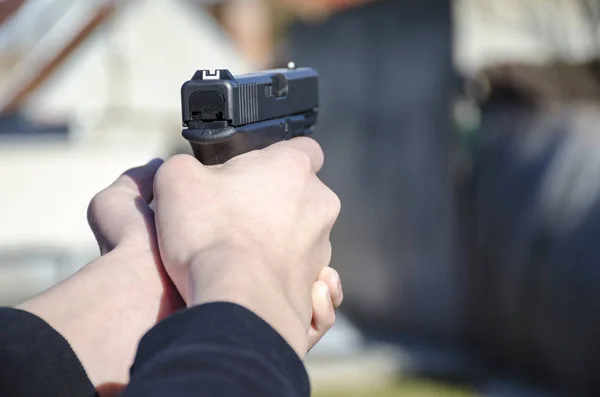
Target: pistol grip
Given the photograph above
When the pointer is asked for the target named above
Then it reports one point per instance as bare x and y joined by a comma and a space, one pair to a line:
212, 146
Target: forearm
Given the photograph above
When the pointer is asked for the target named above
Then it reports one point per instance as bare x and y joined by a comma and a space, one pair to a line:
221, 349
103, 316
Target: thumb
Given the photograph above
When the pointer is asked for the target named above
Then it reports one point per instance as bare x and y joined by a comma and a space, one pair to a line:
323, 313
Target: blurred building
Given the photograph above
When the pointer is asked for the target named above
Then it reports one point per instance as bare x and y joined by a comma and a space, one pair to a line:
88, 89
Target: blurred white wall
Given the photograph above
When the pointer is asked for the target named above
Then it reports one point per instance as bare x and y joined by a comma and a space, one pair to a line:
121, 94
139, 61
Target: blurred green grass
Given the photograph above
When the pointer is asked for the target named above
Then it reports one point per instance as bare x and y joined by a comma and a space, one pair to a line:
406, 388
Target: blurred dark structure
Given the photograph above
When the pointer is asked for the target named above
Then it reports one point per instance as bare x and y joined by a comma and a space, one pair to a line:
15, 126
504, 261
387, 82
535, 296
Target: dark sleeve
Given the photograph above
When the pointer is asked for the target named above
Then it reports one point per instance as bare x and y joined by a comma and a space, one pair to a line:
35, 360
218, 349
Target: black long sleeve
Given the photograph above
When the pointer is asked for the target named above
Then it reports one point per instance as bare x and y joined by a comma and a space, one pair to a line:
35, 360
218, 349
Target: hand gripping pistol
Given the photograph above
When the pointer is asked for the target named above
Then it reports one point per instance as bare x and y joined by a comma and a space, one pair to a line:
225, 116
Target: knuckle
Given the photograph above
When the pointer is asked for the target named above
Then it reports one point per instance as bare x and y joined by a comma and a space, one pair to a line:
329, 321
109, 198
301, 160
177, 166
296, 161
291, 165
101, 206
98, 203
334, 205
327, 253
181, 162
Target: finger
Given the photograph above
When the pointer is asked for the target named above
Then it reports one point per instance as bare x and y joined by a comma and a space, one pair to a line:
139, 180
331, 277
308, 146
121, 209
323, 313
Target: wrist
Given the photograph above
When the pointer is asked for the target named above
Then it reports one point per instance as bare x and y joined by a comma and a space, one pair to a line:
243, 283
142, 277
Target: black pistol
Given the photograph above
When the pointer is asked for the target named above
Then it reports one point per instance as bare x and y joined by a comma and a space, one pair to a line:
225, 116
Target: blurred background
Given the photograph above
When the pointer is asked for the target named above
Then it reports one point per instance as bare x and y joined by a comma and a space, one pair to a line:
463, 138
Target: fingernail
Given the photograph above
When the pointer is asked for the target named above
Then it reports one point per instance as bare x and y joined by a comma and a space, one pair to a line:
337, 278
340, 288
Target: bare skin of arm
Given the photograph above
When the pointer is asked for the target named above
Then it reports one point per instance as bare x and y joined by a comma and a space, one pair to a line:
105, 308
